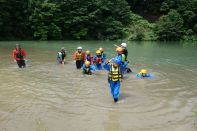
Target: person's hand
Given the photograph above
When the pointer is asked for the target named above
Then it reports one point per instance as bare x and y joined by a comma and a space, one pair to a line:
14, 60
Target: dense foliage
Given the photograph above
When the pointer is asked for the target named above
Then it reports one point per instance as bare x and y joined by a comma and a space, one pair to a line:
98, 19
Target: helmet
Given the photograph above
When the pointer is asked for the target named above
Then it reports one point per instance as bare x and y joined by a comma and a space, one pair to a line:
87, 52
98, 52
119, 49
87, 63
117, 61
143, 71
79, 48
101, 49
124, 45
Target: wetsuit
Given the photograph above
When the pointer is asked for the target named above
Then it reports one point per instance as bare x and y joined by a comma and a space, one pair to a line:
115, 76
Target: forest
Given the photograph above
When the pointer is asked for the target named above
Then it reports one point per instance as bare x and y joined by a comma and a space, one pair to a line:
148, 20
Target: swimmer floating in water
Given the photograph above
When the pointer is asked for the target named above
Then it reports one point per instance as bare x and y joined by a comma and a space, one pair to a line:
143, 74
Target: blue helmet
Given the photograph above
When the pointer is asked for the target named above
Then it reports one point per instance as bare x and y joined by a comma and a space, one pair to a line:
117, 61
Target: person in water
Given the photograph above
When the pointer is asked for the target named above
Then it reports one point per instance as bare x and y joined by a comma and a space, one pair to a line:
89, 56
79, 57
143, 74
115, 77
125, 51
19, 56
87, 68
97, 60
104, 56
120, 56
61, 56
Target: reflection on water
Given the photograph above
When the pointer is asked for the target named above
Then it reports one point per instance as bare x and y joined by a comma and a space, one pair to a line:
49, 97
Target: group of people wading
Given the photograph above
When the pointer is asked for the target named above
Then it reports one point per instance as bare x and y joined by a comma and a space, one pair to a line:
116, 66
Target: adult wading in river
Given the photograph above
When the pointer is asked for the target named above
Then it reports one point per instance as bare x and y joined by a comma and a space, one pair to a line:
61, 56
115, 77
19, 56
79, 57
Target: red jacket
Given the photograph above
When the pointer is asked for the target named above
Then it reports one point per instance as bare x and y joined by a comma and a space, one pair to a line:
78, 56
19, 54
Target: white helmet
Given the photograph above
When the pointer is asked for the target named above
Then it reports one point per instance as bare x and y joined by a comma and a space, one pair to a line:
79, 48
124, 45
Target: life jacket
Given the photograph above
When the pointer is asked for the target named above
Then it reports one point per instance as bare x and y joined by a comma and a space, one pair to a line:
123, 58
19, 54
98, 60
114, 73
86, 70
125, 52
79, 56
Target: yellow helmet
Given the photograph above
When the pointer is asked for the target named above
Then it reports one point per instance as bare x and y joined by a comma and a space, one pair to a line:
119, 49
101, 49
87, 63
143, 71
87, 52
98, 52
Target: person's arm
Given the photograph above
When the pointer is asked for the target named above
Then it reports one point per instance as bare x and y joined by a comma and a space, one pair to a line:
14, 55
24, 53
91, 59
106, 66
75, 56
84, 56
94, 59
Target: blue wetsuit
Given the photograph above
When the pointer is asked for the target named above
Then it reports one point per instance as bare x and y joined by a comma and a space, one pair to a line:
148, 75
114, 83
88, 70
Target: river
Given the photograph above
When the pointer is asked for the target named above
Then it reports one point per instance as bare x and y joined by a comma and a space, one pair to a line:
50, 97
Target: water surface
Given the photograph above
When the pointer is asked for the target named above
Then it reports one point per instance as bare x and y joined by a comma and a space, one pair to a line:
49, 97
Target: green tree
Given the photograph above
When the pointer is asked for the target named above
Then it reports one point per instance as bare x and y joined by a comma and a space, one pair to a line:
45, 20
13, 17
170, 26
95, 19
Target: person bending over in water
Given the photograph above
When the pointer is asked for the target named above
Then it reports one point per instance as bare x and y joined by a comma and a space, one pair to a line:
61, 56
19, 56
87, 68
79, 57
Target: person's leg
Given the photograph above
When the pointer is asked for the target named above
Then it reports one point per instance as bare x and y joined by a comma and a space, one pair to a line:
78, 64
81, 64
112, 87
59, 61
23, 63
19, 63
116, 91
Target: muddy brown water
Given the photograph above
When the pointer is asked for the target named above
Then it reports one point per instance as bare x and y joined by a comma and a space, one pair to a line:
49, 97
